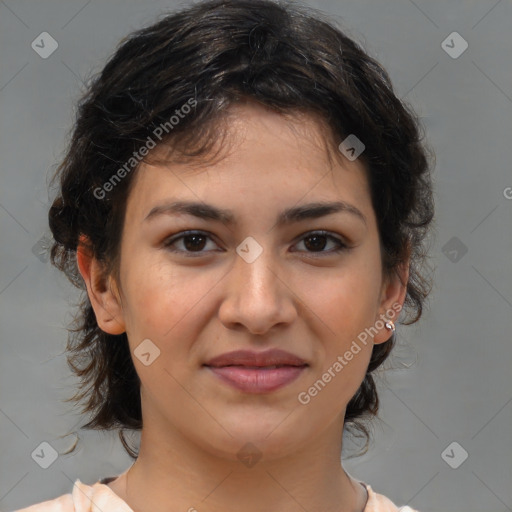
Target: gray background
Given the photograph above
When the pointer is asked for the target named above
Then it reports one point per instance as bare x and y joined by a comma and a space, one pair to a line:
452, 377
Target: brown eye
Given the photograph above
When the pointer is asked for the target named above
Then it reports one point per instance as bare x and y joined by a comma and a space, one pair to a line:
194, 242
315, 242
189, 242
318, 241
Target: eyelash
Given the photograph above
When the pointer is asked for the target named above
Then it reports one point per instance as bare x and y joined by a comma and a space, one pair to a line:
194, 254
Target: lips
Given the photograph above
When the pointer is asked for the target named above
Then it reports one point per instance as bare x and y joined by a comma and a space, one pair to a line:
257, 372
247, 358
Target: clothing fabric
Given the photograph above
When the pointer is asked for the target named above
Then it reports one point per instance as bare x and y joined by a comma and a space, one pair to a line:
101, 498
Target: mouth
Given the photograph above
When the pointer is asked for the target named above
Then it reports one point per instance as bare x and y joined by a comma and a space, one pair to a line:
257, 372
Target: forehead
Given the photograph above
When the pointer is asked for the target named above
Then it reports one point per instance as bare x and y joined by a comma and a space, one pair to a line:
278, 159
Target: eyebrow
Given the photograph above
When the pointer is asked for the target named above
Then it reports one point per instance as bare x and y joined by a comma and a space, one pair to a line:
288, 216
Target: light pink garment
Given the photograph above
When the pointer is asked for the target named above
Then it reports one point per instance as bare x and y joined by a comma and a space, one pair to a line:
100, 498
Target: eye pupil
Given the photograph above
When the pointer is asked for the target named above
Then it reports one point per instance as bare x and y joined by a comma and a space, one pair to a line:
194, 245
316, 245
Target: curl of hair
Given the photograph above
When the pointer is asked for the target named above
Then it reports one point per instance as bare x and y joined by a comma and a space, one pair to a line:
221, 52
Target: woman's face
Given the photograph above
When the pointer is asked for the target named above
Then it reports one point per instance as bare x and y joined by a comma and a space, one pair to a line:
254, 284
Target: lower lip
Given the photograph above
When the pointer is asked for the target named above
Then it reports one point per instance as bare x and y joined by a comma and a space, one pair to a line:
252, 380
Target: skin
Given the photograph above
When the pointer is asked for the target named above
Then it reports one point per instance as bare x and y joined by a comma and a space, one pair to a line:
307, 300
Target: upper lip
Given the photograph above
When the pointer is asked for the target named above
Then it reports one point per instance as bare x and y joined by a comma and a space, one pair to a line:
271, 357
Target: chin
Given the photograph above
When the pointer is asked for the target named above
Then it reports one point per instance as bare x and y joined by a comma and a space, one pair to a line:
256, 440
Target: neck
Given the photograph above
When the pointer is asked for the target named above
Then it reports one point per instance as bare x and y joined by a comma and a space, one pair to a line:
173, 474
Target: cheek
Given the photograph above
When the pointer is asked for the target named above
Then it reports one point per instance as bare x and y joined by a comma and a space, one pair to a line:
344, 305
344, 299
165, 303
155, 297
345, 308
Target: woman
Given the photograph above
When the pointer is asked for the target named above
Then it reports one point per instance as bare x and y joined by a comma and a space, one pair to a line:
245, 201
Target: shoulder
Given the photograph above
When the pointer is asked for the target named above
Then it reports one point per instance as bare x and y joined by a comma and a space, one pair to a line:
380, 503
81, 499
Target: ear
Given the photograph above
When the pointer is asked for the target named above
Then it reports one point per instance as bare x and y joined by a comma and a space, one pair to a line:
394, 290
102, 290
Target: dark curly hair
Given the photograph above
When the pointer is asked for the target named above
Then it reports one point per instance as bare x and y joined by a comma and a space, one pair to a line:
287, 57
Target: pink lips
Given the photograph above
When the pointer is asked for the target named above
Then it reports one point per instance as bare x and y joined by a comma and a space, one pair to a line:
257, 372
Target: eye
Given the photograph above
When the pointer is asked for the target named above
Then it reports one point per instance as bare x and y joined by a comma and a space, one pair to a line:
193, 243
190, 241
316, 241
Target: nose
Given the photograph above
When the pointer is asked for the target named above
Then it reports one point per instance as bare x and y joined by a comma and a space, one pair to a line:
257, 297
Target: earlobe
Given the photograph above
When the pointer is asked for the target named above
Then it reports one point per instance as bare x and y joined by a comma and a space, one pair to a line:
392, 299
105, 302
